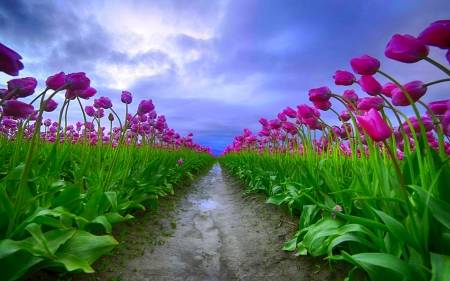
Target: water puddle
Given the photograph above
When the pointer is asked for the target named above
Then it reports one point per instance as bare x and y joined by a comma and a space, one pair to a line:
207, 204
216, 169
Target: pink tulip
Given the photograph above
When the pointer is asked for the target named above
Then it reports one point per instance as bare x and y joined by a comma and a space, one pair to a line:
439, 107
17, 109
406, 49
437, 34
414, 89
322, 105
350, 96
365, 65
263, 121
344, 78
10, 61
374, 125
426, 121
90, 111
291, 113
370, 85
344, 116
305, 111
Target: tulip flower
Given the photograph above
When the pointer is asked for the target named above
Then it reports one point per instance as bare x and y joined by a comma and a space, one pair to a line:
126, 97
291, 113
322, 105
263, 121
90, 111
23, 87
344, 116
426, 121
305, 111
439, 107
17, 109
344, 78
56, 81
374, 125
350, 96
319, 94
282, 117
365, 65
446, 123
376, 103
414, 89
180, 161
275, 124
102, 102
77, 81
145, 106
406, 48
10, 61
388, 88
370, 85
437, 34
447, 56
51, 106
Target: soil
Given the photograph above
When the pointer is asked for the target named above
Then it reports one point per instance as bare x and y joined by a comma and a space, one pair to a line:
209, 230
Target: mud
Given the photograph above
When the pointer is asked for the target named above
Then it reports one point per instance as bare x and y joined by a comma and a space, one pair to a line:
211, 231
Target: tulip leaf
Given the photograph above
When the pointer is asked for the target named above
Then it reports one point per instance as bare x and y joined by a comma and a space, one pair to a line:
440, 265
439, 209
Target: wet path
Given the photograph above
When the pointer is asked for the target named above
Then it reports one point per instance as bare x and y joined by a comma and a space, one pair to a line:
222, 234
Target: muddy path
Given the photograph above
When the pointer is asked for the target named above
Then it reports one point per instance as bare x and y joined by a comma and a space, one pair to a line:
211, 231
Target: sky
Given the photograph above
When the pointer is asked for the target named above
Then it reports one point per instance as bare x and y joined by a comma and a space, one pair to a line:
215, 67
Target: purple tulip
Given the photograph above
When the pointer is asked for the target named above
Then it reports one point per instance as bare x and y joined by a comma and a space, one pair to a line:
350, 96
102, 102
145, 106
126, 97
10, 61
376, 103
51, 106
365, 65
344, 116
437, 34
439, 107
305, 111
275, 124
427, 122
370, 85
319, 94
291, 113
90, 111
23, 87
77, 81
282, 117
374, 125
388, 88
336, 208
56, 81
180, 161
406, 49
17, 109
263, 121
414, 89
344, 78
322, 105
446, 123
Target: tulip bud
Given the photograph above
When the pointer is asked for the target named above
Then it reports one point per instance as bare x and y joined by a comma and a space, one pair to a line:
10, 61
365, 65
406, 49
370, 85
344, 78
126, 97
437, 34
56, 81
374, 125
415, 91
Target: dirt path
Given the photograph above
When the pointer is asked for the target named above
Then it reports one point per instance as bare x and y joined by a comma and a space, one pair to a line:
214, 232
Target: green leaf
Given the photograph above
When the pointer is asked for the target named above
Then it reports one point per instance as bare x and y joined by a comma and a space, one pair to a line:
103, 221
115, 218
87, 246
288, 246
440, 265
385, 261
9, 247
439, 209
112, 197
36, 232
69, 262
279, 198
348, 237
398, 230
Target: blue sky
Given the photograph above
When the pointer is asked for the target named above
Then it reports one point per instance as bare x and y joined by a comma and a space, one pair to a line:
214, 67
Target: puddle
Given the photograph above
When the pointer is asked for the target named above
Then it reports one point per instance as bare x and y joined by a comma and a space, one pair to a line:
216, 169
206, 204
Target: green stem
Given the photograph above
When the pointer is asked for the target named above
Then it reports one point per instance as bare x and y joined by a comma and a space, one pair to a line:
438, 65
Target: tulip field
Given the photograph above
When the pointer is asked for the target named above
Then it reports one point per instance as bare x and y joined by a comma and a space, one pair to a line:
372, 189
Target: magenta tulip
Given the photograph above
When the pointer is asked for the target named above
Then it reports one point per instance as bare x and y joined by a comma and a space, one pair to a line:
275, 124
350, 96
437, 34
90, 111
322, 105
56, 81
77, 81
319, 94
427, 122
180, 161
17, 109
365, 65
344, 78
415, 91
282, 117
126, 97
305, 111
406, 48
446, 123
51, 106
103, 102
439, 107
23, 87
10, 61
370, 85
376, 103
145, 106
374, 125
263, 121
344, 116
291, 113
388, 88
